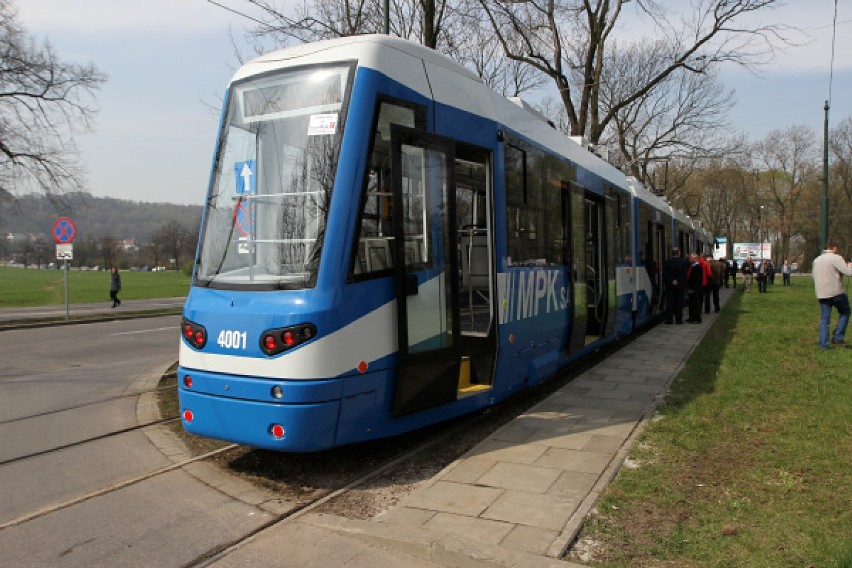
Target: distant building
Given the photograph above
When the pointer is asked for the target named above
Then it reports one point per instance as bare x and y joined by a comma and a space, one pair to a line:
128, 245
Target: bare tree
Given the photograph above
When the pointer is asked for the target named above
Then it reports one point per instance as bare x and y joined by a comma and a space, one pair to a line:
175, 239
685, 115
840, 146
44, 102
473, 45
788, 161
109, 251
453, 27
569, 42
312, 20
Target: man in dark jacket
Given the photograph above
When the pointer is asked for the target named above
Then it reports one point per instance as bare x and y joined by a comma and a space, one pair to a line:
674, 280
695, 288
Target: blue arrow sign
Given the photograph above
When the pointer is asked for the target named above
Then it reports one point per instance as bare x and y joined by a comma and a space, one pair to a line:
245, 176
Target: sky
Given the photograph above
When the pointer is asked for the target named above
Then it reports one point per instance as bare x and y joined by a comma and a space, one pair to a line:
169, 62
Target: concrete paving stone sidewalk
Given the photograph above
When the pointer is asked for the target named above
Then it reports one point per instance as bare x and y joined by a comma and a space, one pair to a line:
519, 498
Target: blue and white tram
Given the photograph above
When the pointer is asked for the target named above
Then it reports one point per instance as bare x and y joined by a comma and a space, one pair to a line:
387, 244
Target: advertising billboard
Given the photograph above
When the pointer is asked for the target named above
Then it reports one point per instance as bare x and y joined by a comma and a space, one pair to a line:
755, 250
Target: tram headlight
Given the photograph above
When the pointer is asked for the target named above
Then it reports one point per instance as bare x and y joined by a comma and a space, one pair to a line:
274, 341
194, 334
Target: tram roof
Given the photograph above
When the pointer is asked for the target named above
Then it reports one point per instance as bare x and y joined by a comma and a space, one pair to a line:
450, 83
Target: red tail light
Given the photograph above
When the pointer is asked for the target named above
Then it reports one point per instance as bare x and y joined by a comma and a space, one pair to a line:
194, 333
274, 341
288, 339
277, 431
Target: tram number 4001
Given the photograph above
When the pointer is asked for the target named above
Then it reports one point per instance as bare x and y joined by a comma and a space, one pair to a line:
231, 339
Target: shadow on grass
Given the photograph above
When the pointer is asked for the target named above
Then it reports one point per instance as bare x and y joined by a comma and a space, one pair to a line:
698, 377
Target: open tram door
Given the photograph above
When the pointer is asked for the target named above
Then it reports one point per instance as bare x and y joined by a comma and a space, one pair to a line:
423, 185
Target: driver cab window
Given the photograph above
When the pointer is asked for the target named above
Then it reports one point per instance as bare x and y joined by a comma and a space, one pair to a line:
374, 245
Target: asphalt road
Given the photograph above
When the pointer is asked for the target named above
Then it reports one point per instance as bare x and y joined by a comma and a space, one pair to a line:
67, 416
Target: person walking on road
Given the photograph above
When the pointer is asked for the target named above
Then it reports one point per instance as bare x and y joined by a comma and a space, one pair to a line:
828, 271
674, 281
115, 287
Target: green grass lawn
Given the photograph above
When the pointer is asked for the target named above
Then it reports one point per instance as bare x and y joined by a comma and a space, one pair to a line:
32, 287
750, 461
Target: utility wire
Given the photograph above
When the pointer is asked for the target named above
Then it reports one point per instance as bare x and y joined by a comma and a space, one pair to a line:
246, 16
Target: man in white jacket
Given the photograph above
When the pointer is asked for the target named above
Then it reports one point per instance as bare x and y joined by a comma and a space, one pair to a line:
828, 271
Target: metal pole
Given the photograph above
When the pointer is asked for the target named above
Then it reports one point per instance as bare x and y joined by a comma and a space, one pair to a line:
823, 234
386, 19
65, 266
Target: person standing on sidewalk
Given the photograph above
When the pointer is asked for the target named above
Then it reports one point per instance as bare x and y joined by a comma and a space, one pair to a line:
828, 271
674, 281
695, 288
717, 271
115, 287
705, 266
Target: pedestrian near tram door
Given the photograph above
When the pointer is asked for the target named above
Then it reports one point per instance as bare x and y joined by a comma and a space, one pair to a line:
828, 271
115, 287
695, 282
674, 281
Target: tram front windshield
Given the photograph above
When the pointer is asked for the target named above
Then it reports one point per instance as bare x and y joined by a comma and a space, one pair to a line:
268, 202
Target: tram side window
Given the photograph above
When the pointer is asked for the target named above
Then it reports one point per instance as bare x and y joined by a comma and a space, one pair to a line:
374, 246
555, 180
534, 183
523, 215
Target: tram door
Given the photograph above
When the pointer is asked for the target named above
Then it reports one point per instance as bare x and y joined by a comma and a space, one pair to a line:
426, 273
596, 274
661, 254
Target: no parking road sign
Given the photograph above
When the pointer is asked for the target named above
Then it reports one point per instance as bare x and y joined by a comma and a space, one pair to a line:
64, 231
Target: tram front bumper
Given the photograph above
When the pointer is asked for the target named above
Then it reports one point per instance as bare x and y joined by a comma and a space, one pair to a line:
286, 426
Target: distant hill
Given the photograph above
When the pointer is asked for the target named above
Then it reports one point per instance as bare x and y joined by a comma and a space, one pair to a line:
95, 217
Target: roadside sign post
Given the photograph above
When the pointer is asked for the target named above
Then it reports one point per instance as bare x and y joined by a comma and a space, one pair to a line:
64, 231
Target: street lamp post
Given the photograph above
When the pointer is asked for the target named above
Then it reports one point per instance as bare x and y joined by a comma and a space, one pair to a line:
823, 233
386, 18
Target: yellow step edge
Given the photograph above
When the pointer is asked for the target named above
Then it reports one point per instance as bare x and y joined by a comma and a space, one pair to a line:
474, 389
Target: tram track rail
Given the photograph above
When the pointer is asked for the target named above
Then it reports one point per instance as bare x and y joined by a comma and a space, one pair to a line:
109, 489
90, 439
309, 506
136, 393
